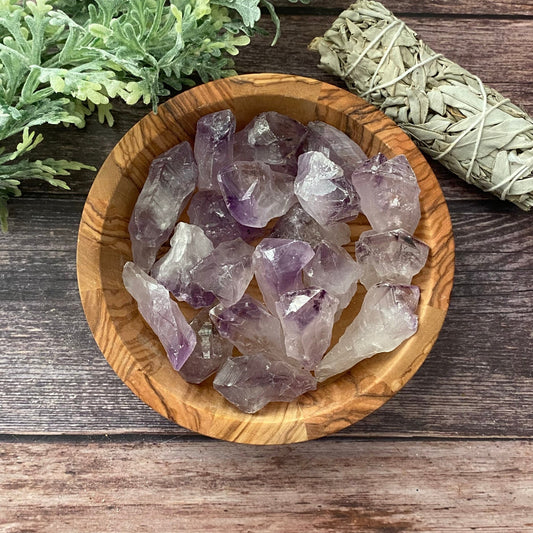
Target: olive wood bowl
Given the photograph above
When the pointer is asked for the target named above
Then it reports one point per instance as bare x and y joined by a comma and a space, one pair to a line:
130, 346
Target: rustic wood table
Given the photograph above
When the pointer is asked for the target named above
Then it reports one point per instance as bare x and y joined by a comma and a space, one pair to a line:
452, 451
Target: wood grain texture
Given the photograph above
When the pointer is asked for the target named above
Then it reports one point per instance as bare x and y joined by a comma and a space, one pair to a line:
133, 350
332, 485
459, 39
54, 380
463, 8
477, 381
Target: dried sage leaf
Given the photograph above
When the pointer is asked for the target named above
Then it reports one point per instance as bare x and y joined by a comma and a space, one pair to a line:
450, 114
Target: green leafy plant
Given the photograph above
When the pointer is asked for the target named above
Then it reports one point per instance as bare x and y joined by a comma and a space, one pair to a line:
61, 60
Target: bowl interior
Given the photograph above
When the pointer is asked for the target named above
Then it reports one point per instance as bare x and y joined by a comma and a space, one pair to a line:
131, 347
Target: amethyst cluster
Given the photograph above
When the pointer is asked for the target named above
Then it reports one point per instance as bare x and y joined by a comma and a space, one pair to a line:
272, 201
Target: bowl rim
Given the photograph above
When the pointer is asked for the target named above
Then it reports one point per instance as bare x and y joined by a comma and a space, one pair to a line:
101, 239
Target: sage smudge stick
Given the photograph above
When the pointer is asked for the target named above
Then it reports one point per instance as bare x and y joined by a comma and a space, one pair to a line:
451, 115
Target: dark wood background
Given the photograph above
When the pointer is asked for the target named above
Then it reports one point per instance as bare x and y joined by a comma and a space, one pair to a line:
451, 452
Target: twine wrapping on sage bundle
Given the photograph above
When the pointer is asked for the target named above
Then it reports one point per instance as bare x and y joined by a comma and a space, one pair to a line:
451, 115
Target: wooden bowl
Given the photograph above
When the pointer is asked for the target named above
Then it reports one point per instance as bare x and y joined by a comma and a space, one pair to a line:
130, 346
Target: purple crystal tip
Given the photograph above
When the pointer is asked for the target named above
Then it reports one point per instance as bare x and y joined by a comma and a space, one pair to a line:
254, 194
252, 381
307, 317
250, 327
208, 210
278, 265
161, 313
213, 146
171, 181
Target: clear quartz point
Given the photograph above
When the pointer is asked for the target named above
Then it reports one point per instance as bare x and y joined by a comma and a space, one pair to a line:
210, 352
389, 193
393, 255
213, 146
226, 271
272, 138
307, 317
333, 269
323, 190
188, 246
387, 318
335, 145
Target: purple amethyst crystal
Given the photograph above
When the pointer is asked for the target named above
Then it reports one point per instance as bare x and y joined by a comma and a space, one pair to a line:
161, 313
213, 146
296, 224
170, 182
335, 145
188, 246
389, 193
323, 191
210, 352
250, 327
226, 271
272, 138
394, 256
208, 210
254, 194
386, 319
277, 265
251, 381
333, 269
307, 317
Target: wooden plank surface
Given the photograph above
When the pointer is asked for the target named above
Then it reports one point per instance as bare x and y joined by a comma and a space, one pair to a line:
63, 384
499, 66
153, 475
331, 485
461, 40
54, 379
492, 8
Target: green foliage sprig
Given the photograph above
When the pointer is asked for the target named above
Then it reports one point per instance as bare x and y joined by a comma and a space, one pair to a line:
61, 60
